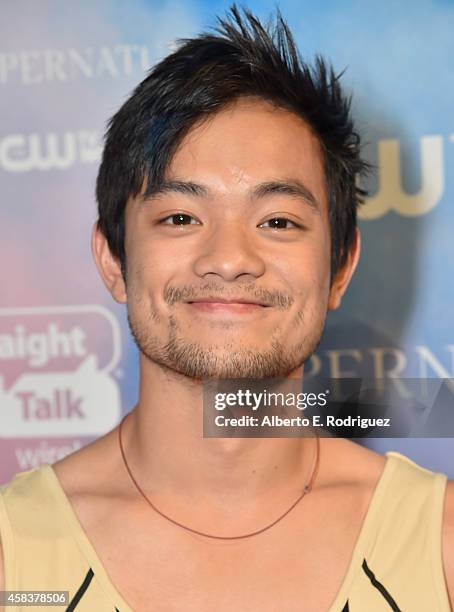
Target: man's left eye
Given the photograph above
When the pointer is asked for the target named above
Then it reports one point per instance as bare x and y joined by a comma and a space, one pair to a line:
280, 223
179, 219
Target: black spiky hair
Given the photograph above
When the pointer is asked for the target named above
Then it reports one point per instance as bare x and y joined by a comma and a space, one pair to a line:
240, 58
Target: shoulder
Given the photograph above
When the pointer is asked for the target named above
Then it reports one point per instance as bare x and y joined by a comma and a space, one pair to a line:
347, 462
26, 487
92, 469
448, 538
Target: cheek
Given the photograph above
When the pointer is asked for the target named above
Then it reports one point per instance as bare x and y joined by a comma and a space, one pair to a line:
318, 262
308, 282
150, 272
139, 271
306, 271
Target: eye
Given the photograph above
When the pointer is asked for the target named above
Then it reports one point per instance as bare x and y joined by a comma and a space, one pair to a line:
281, 223
179, 219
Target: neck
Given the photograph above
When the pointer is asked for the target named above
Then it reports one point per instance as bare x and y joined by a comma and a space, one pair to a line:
164, 444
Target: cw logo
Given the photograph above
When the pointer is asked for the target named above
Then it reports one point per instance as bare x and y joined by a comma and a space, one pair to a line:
19, 153
390, 195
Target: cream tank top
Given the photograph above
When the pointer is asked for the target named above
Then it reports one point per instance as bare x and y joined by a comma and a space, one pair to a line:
396, 563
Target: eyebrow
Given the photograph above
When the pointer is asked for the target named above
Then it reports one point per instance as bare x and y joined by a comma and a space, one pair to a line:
291, 187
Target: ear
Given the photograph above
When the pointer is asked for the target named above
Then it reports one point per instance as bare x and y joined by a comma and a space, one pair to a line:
344, 274
108, 266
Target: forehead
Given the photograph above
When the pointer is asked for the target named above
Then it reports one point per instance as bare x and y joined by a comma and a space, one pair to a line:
248, 142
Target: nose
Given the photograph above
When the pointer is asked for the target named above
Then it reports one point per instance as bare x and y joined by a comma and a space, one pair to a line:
230, 254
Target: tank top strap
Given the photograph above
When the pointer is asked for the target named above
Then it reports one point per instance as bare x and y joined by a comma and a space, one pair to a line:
39, 548
403, 558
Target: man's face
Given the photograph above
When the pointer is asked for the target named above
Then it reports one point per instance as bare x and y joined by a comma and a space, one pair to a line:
244, 220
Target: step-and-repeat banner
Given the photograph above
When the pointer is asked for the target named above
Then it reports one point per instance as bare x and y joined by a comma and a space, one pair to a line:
68, 368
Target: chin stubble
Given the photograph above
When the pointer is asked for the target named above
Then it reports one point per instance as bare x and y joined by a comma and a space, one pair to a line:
221, 361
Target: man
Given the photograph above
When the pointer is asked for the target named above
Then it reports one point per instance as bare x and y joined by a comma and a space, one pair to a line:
227, 225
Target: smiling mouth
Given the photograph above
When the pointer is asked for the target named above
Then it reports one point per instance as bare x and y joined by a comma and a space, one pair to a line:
229, 306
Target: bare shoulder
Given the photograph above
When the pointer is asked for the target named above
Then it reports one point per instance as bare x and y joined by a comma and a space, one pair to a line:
347, 480
89, 468
448, 538
349, 462
90, 479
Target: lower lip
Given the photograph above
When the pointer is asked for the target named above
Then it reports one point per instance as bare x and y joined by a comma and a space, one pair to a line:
235, 307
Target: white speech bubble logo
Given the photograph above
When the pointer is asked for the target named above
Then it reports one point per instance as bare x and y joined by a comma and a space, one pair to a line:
84, 402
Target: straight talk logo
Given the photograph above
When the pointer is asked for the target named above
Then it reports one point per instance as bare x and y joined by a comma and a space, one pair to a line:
57, 371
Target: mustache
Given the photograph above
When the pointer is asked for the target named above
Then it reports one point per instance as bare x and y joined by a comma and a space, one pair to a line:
187, 293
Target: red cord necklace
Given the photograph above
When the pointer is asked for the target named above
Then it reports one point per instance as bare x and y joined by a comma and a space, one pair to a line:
307, 488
